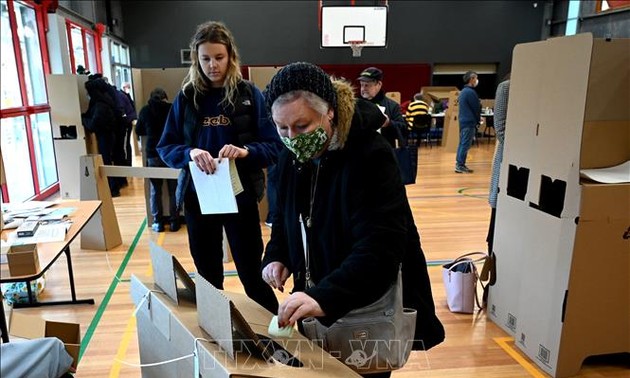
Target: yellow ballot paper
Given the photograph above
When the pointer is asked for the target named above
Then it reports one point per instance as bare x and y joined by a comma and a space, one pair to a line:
237, 187
275, 331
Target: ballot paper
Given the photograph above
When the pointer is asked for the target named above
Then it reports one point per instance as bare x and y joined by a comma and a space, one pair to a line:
45, 234
214, 191
275, 331
613, 175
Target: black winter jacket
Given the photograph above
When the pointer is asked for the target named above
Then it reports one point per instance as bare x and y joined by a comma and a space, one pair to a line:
100, 116
397, 129
362, 227
151, 123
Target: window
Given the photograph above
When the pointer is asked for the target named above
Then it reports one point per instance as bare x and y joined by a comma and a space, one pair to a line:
82, 46
25, 129
121, 65
572, 17
10, 87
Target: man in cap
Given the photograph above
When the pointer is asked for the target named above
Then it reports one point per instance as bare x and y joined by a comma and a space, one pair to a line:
469, 117
395, 127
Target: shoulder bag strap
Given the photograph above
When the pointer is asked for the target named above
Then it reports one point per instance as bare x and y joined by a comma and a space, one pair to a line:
308, 282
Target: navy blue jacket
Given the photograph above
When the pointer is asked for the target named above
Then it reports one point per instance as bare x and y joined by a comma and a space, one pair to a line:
216, 129
469, 107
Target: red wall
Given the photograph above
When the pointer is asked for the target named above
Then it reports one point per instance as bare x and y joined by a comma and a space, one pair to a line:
404, 78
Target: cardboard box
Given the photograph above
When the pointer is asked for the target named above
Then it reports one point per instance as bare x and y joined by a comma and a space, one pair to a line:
168, 331
33, 327
23, 260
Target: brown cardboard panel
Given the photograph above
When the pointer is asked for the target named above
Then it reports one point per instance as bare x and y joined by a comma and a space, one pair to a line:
605, 202
605, 143
34, 327
608, 96
597, 307
394, 96
169, 79
69, 333
102, 231
450, 137
26, 326
251, 311
437, 93
261, 76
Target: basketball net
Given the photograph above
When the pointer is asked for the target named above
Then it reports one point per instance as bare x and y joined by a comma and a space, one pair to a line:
356, 47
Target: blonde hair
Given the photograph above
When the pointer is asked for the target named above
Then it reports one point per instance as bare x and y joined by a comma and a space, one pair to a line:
214, 32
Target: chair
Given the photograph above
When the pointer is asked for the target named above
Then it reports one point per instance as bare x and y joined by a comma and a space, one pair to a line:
422, 127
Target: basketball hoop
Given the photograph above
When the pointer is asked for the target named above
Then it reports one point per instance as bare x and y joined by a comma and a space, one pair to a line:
356, 47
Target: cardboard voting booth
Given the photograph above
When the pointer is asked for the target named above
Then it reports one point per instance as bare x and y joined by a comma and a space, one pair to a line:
450, 139
223, 334
561, 242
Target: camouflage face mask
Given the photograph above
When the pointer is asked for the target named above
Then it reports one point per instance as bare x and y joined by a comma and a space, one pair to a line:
306, 146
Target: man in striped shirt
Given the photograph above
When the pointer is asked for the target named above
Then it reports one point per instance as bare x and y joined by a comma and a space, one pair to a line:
415, 108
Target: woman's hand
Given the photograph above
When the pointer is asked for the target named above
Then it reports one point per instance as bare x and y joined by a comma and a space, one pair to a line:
203, 160
231, 151
299, 305
275, 274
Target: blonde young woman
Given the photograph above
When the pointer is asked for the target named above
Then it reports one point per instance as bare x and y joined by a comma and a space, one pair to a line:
219, 115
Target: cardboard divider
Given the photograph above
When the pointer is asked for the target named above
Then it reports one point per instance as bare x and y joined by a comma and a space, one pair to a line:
167, 331
232, 333
102, 231
166, 272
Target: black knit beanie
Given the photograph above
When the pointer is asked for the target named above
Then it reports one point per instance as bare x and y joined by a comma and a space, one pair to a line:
300, 76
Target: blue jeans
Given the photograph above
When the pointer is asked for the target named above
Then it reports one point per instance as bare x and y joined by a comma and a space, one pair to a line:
156, 194
466, 134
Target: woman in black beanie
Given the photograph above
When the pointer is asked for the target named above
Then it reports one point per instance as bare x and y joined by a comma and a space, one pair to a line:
339, 179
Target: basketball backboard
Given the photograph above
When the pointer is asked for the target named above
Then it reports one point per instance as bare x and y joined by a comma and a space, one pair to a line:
343, 24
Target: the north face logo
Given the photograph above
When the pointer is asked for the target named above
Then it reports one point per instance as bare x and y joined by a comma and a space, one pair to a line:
247, 102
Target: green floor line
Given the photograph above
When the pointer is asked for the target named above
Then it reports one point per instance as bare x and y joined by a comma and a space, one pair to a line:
112, 287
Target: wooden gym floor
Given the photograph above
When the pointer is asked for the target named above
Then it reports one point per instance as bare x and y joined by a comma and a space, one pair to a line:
451, 212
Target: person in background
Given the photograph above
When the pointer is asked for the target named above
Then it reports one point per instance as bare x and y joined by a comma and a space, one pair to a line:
500, 115
338, 184
416, 107
395, 127
469, 118
126, 89
129, 118
100, 118
219, 115
82, 71
151, 123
